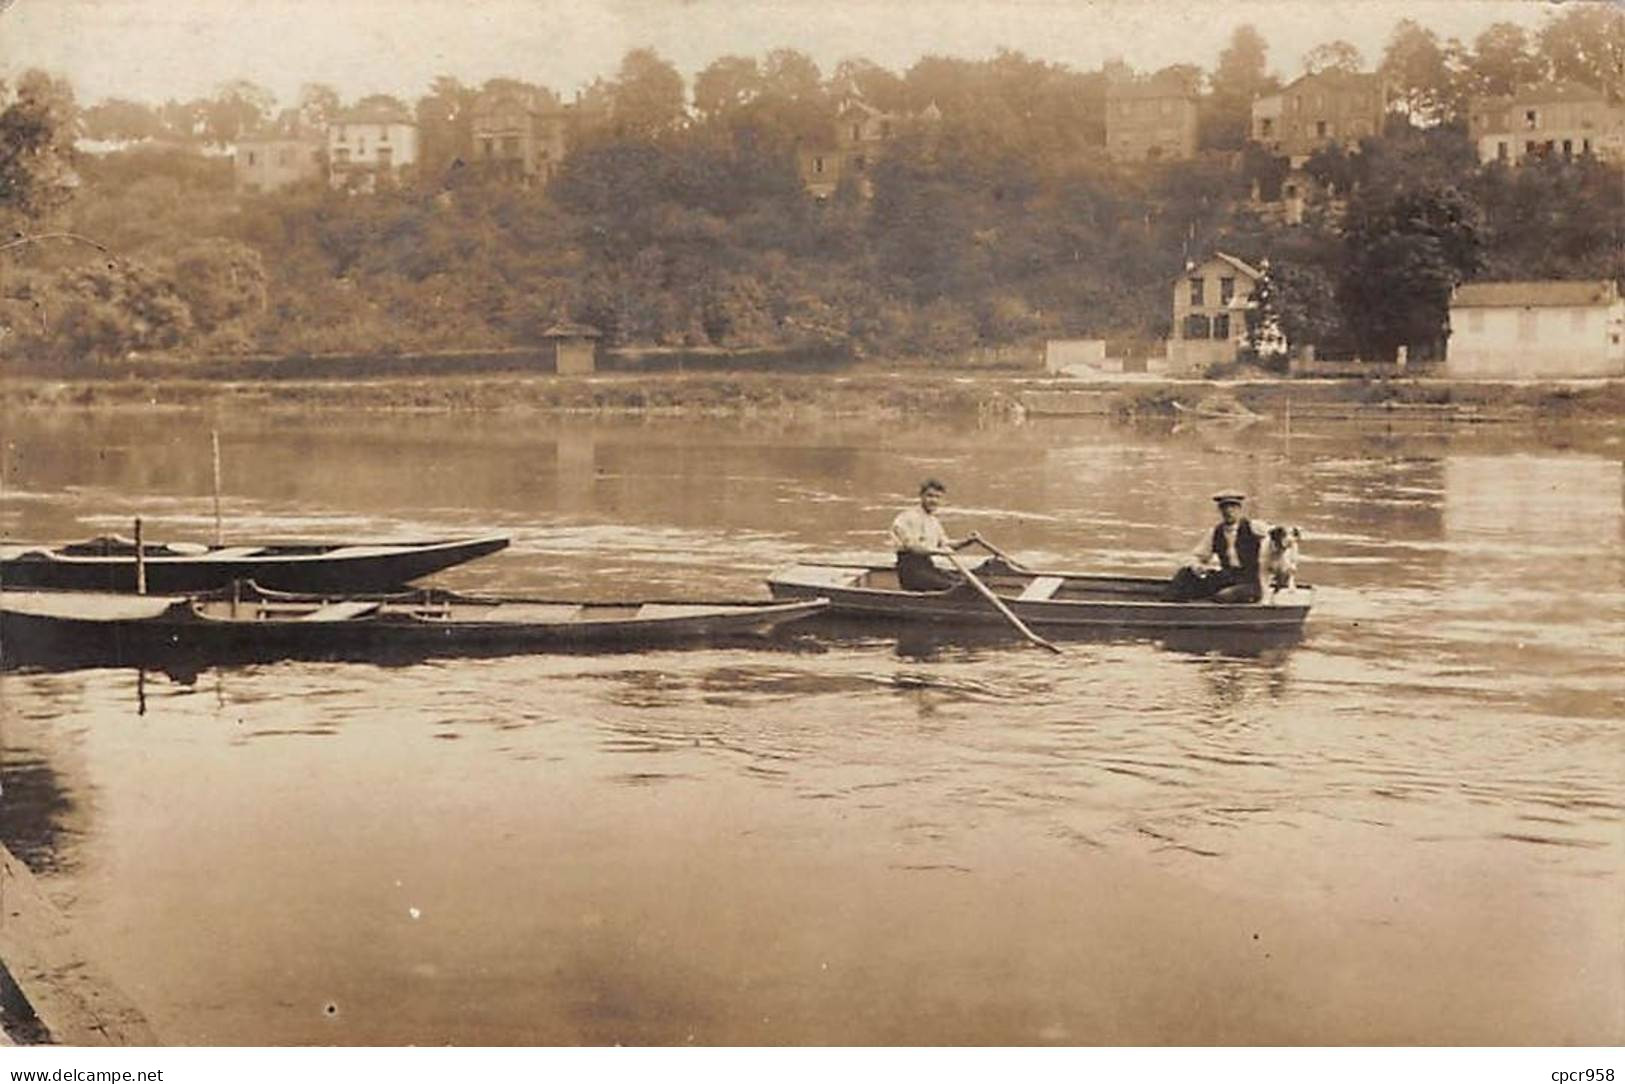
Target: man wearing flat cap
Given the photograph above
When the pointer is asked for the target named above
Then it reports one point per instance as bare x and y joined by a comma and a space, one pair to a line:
1225, 565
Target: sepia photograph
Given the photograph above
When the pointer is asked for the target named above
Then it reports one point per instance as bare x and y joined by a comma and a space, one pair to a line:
1055, 525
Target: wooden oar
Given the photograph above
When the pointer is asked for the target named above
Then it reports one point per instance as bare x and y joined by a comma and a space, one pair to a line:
1001, 555
998, 603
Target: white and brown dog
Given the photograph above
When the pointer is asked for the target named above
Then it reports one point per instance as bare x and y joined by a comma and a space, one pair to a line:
1279, 561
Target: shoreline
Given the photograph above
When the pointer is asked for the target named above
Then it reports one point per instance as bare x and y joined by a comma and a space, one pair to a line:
885, 393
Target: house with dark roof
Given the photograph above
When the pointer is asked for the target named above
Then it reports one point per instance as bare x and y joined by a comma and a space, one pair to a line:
1536, 329
1211, 300
1150, 119
1329, 108
519, 134
366, 145
1559, 119
856, 140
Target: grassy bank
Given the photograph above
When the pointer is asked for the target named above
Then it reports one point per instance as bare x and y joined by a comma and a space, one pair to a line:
882, 393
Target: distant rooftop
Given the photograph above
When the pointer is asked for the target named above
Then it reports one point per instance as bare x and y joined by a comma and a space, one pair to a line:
1548, 294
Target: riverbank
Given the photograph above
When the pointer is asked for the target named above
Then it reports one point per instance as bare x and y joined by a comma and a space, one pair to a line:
887, 393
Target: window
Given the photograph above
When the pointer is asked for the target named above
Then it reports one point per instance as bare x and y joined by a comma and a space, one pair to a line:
1197, 326
488, 147
818, 163
1568, 148
1266, 127
1196, 292
1531, 119
857, 132
1221, 326
1528, 328
1530, 148
1227, 290
1320, 129
386, 157
250, 157
859, 163
1290, 191
1501, 151
1585, 146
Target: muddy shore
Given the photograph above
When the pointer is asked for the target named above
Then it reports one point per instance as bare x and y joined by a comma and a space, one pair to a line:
944, 393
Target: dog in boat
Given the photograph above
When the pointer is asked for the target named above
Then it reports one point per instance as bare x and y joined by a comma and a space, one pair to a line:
1279, 561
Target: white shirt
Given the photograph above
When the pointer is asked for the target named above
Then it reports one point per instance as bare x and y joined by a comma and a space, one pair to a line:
917, 531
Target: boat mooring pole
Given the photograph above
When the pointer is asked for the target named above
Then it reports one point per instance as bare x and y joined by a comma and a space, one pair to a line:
214, 437
140, 561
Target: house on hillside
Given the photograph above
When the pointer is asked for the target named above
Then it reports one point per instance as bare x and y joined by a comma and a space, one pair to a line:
1325, 109
856, 141
1150, 119
366, 145
1536, 329
1211, 300
519, 135
1554, 119
271, 162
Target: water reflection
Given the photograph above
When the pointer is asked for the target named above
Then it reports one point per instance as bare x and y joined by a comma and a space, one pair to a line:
858, 832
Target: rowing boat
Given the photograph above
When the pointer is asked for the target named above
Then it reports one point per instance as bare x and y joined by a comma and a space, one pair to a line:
247, 621
1053, 599
109, 564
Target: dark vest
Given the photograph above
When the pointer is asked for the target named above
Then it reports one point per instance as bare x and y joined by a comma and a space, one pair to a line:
1246, 546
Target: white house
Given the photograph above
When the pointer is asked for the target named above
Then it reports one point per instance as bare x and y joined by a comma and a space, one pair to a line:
1536, 329
365, 144
1211, 300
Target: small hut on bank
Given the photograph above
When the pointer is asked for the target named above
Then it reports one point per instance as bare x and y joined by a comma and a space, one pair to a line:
573, 348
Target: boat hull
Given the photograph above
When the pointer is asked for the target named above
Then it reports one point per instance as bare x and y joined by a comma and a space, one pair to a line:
354, 567
1075, 601
55, 629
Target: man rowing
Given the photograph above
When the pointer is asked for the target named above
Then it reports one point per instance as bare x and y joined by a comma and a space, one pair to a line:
1224, 565
918, 535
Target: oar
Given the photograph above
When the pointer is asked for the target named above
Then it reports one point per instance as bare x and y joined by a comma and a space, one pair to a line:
1005, 557
998, 604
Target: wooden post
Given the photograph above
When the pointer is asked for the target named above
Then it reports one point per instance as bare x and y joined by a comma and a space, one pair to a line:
214, 436
140, 560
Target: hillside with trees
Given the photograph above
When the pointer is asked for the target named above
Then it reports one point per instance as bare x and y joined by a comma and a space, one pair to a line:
679, 216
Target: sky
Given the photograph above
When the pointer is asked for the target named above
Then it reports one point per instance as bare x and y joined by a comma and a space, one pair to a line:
152, 50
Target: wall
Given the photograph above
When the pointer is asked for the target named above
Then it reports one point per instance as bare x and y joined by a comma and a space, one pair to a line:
1537, 341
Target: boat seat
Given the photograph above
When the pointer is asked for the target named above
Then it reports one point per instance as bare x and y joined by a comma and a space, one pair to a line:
342, 611
1040, 588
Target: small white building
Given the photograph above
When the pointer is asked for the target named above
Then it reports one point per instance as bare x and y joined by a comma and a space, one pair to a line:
1536, 329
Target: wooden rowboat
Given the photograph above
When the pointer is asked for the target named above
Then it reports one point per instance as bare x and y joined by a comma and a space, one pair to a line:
109, 564
1050, 599
247, 621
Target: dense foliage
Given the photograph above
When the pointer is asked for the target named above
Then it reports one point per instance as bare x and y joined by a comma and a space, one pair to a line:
993, 216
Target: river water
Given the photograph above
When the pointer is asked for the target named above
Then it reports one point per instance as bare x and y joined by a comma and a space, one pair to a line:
1404, 827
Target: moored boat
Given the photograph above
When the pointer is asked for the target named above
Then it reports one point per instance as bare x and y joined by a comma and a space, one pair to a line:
248, 621
1047, 599
109, 564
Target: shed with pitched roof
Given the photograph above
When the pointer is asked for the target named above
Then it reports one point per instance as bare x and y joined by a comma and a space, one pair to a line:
574, 348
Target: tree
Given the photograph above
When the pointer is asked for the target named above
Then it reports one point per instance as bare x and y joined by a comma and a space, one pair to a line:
1333, 56
121, 119
791, 75
383, 103
1404, 252
646, 98
726, 85
1414, 64
1586, 43
104, 311
223, 282
1239, 78
445, 126
236, 109
1294, 306
864, 78
37, 129
318, 105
